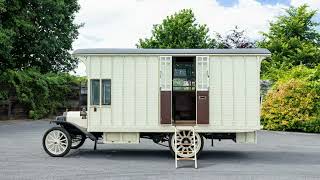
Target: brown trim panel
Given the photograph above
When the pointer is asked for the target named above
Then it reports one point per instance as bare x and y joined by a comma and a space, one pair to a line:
165, 107
202, 107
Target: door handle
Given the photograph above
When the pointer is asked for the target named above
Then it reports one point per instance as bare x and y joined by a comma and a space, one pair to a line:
95, 109
202, 97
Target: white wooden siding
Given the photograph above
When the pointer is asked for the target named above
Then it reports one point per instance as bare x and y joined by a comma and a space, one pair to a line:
135, 90
141, 92
239, 105
215, 92
129, 87
234, 92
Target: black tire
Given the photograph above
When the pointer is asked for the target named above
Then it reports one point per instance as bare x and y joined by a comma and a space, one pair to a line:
67, 140
172, 151
82, 140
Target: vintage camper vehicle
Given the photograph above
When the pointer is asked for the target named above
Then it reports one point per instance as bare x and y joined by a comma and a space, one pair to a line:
179, 96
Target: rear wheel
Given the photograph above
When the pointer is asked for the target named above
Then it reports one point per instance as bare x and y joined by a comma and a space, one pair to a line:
77, 141
56, 142
185, 145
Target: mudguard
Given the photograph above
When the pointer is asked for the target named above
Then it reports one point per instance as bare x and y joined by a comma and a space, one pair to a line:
72, 128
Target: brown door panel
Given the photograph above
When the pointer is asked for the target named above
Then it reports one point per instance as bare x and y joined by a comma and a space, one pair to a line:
203, 107
165, 107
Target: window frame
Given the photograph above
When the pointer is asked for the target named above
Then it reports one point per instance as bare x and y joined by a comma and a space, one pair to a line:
202, 81
91, 92
100, 92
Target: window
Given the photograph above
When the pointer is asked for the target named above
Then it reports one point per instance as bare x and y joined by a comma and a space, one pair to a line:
184, 75
202, 73
106, 92
165, 73
95, 91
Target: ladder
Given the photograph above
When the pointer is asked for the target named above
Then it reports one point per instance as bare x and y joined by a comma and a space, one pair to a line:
178, 129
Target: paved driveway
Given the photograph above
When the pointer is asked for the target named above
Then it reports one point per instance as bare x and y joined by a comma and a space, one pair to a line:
276, 156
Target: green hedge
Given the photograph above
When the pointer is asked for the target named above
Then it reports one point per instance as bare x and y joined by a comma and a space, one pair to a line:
43, 94
293, 104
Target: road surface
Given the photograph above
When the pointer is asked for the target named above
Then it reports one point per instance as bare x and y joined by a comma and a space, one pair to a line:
278, 155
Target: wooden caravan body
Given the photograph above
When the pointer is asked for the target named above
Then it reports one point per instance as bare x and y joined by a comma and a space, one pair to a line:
137, 85
178, 96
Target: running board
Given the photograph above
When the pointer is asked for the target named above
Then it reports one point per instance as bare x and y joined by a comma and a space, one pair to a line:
178, 129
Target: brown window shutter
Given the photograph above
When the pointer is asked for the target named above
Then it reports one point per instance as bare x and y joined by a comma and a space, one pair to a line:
202, 107
165, 107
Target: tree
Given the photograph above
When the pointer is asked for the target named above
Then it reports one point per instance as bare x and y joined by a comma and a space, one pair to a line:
5, 38
37, 33
236, 38
293, 40
293, 104
178, 31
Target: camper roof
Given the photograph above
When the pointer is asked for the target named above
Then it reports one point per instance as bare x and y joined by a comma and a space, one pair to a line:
258, 51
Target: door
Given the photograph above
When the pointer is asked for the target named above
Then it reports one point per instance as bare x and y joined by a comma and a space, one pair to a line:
202, 84
94, 93
165, 89
99, 95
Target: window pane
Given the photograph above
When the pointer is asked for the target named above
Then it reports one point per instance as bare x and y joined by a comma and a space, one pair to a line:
95, 92
184, 76
106, 92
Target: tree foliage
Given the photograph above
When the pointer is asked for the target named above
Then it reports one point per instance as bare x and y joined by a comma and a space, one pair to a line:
235, 38
294, 102
38, 34
41, 93
179, 31
293, 40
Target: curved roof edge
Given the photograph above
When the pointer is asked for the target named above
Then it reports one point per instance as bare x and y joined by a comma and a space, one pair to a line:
171, 51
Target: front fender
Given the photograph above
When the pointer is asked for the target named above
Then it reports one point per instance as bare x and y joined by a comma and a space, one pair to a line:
72, 128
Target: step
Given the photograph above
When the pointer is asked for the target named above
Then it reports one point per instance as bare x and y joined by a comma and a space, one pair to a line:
185, 159
185, 144
185, 122
183, 128
186, 151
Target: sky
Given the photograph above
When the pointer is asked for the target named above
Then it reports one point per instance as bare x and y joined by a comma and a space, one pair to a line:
120, 23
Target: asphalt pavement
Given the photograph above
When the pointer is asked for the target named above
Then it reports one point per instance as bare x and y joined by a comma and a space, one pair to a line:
278, 155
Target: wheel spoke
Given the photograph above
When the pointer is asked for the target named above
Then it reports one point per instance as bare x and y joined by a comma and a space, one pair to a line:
55, 148
51, 137
51, 146
50, 140
61, 136
62, 148
55, 134
58, 149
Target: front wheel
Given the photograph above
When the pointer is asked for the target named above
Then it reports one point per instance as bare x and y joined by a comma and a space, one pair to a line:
56, 142
185, 146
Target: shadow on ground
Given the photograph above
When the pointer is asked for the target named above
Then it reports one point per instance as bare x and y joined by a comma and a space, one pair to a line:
216, 156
